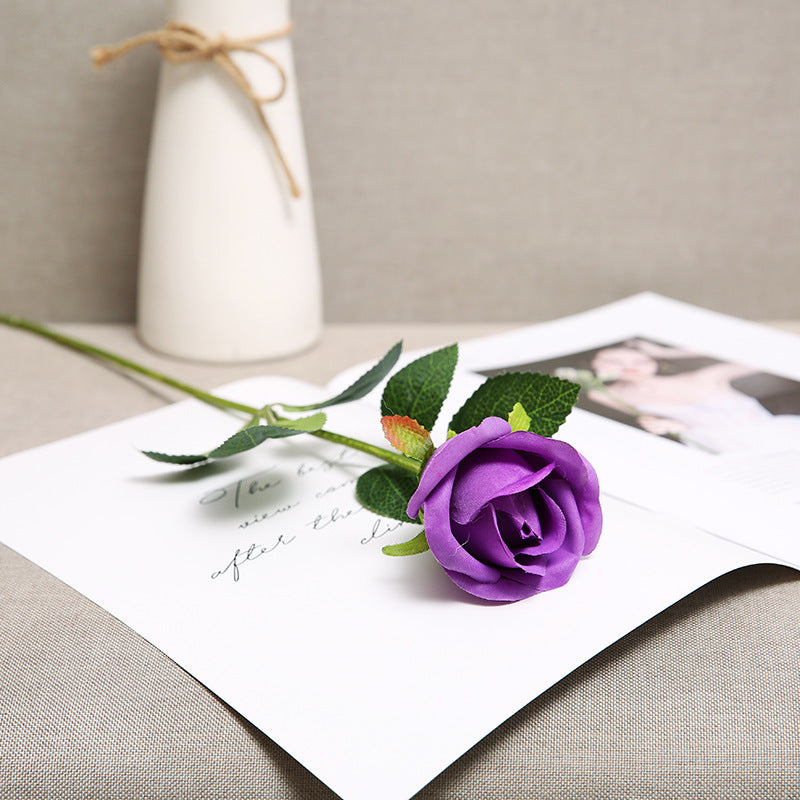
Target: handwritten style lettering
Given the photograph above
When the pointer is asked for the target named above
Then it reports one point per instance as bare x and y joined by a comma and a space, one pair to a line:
331, 489
242, 557
343, 457
237, 491
380, 528
268, 514
334, 515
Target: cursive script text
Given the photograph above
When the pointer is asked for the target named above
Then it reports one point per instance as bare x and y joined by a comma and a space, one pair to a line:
381, 527
331, 517
242, 557
236, 492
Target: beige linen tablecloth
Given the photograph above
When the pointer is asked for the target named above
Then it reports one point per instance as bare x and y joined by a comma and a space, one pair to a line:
702, 701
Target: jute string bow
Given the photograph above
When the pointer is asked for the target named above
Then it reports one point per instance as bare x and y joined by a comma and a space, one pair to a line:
179, 43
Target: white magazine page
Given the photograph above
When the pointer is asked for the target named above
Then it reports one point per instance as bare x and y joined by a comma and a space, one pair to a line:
263, 577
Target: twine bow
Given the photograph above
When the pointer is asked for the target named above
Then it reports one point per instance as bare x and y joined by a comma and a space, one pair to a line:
179, 43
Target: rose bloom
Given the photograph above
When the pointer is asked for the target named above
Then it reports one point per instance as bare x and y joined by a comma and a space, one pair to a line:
508, 514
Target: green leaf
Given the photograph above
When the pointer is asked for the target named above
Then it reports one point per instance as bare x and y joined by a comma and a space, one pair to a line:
168, 459
249, 438
361, 387
518, 419
419, 389
245, 439
547, 400
304, 424
386, 490
419, 544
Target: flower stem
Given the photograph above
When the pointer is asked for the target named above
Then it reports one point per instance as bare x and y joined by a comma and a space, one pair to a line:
266, 412
398, 459
98, 352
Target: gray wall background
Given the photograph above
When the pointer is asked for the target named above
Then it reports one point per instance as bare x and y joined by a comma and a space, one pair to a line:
506, 160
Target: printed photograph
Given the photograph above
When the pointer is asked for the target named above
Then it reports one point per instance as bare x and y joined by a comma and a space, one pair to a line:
701, 402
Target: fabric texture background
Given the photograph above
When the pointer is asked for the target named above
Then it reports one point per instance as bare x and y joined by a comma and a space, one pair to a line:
514, 161
700, 702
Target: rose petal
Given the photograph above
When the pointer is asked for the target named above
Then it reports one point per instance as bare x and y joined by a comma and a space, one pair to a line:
482, 539
522, 528
590, 510
561, 493
569, 461
553, 522
504, 589
448, 456
488, 474
578, 472
446, 549
562, 562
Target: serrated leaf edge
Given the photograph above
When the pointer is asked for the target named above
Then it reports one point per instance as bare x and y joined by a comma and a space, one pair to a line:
387, 411
371, 507
371, 378
539, 417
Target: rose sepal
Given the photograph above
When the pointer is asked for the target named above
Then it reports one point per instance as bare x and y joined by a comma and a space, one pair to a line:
418, 544
408, 437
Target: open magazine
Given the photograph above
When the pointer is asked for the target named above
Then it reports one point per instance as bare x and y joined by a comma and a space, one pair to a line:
263, 577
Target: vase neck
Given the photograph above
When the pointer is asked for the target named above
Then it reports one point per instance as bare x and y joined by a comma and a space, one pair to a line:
232, 17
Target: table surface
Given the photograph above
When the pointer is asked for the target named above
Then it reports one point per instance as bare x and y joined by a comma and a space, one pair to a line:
700, 701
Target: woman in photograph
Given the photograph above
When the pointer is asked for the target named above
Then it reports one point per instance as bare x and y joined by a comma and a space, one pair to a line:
699, 407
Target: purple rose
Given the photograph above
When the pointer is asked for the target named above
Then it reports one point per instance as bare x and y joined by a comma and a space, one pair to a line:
508, 514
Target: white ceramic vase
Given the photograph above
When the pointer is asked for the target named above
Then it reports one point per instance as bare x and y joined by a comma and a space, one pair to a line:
228, 269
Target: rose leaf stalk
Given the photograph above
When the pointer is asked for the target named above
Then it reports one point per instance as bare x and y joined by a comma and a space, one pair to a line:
265, 412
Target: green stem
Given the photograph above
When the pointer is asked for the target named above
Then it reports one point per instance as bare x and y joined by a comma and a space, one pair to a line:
218, 402
398, 459
269, 415
98, 352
